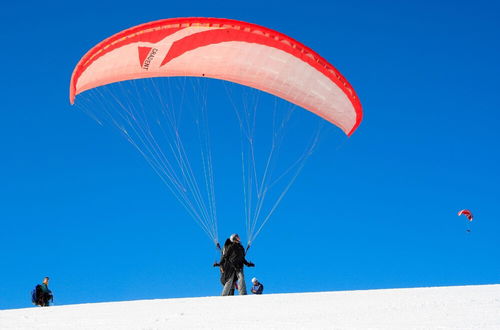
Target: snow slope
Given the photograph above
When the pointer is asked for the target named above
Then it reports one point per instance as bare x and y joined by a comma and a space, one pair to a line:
465, 307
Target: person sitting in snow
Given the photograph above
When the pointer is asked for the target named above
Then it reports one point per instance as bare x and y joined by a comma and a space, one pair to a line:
257, 287
232, 262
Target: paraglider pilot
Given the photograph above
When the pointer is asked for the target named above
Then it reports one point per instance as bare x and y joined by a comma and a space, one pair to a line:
231, 265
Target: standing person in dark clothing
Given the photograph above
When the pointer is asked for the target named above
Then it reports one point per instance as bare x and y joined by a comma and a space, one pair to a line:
43, 296
257, 287
233, 260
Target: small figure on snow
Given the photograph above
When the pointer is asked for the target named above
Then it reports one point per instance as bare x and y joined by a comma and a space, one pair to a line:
257, 287
41, 295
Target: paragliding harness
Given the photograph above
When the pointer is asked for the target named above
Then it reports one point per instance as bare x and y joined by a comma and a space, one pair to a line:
41, 298
225, 265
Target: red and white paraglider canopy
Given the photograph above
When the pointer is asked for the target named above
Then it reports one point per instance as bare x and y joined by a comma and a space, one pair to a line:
235, 51
466, 213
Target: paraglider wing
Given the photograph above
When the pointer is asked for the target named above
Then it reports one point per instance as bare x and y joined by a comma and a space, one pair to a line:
466, 213
225, 49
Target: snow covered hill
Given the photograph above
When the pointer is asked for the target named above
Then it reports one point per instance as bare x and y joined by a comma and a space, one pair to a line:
465, 307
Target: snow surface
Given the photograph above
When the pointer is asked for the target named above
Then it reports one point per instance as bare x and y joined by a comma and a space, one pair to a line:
461, 307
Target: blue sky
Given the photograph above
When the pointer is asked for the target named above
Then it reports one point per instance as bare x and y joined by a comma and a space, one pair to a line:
79, 204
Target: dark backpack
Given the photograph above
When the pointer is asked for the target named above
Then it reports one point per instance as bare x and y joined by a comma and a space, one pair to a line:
35, 294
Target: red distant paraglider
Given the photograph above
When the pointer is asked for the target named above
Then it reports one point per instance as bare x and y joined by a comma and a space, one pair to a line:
467, 213
469, 216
